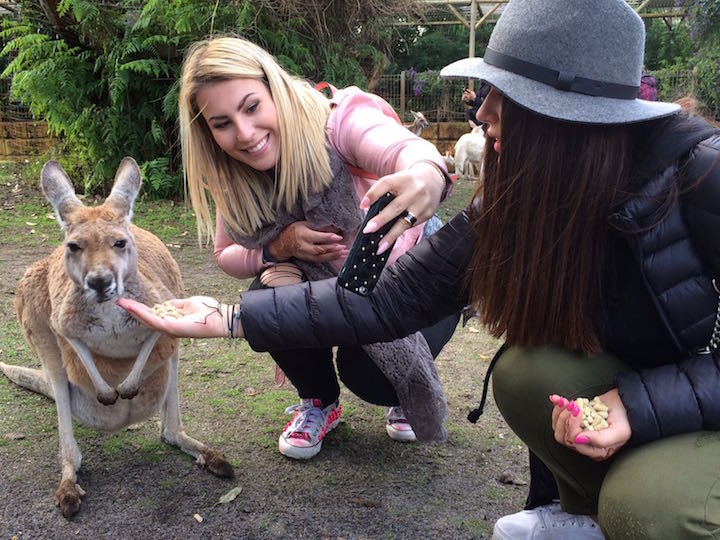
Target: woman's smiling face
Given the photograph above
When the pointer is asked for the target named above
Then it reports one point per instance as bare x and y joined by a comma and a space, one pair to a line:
243, 120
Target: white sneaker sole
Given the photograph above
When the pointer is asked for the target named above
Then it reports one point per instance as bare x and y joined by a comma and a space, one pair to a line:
400, 435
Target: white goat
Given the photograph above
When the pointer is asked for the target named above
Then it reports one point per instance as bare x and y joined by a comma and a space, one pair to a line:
418, 124
469, 153
91, 350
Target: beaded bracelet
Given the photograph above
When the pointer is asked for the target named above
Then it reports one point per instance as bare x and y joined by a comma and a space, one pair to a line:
233, 312
230, 313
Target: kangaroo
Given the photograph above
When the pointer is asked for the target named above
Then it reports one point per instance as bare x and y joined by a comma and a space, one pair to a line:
98, 364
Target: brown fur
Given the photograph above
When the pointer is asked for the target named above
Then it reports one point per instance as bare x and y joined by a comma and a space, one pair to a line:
98, 364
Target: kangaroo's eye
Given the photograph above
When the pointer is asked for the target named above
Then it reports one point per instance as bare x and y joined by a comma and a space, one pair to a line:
73, 247
120, 244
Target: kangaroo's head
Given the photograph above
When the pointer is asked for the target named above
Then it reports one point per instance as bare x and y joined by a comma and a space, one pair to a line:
100, 251
419, 119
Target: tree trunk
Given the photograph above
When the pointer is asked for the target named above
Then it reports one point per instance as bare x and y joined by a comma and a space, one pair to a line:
62, 25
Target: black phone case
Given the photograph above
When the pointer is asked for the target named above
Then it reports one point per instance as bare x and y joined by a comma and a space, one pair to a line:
362, 268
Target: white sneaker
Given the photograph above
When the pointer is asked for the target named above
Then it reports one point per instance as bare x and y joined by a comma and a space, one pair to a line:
303, 435
397, 426
547, 522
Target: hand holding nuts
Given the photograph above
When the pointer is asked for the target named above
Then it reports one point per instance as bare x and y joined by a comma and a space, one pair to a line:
166, 309
594, 413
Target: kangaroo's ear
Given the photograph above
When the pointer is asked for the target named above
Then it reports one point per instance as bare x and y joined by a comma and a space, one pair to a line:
125, 188
59, 191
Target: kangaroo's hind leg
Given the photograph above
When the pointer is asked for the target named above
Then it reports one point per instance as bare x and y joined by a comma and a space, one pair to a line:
173, 432
30, 378
52, 381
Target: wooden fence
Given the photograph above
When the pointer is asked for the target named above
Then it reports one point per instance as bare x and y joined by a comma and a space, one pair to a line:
22, 136
440, 99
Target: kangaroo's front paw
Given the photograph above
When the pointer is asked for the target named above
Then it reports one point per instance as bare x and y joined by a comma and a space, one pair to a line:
68, 497
127, 392
107, 397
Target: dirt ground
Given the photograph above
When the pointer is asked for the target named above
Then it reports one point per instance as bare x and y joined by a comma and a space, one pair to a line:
361, 486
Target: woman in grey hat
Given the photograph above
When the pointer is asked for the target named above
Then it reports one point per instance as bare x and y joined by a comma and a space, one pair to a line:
591, 248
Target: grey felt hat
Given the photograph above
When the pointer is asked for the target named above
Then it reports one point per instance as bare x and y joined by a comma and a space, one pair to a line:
574, 60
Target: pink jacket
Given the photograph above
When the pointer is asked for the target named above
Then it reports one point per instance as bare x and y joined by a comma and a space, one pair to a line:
365, 132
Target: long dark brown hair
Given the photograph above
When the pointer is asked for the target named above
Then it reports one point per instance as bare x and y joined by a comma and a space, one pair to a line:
542, 227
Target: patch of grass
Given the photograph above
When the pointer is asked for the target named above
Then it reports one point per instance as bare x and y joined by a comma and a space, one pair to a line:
168, 484
268, 404
153, 450
83, 433
265, 521
145, 503
224, 406
478, 528
459, 199
169, 221
115, 446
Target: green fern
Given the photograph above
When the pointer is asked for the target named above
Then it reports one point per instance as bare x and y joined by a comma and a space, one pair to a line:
113, 91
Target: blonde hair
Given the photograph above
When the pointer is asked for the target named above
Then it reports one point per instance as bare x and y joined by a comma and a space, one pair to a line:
246, 198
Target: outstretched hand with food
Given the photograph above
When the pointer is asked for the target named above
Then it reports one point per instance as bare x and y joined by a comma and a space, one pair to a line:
195, 317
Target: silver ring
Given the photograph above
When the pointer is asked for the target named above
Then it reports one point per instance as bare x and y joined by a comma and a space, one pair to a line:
410, 218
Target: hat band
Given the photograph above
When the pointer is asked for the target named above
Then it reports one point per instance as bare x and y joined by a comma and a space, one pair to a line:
562, 80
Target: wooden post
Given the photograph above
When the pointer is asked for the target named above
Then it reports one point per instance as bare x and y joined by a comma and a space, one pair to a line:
402, 96
471, 45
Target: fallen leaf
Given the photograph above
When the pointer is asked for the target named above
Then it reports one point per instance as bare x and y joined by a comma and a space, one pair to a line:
198, 518
230, 495
472, 330
32, 224
14, 436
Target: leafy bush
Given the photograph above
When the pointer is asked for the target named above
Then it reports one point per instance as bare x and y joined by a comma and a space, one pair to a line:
104, 76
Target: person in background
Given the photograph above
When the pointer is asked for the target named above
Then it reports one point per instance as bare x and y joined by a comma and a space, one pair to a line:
287, 169
591, 248
648, 87
473, 100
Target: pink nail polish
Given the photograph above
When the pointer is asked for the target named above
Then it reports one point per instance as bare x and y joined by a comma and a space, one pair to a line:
370, 227
582, 439
553, 398
382, 247
570, 405
576, 411
365, 203
560, 403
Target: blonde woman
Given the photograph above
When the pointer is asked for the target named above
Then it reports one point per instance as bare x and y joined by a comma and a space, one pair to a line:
288, 169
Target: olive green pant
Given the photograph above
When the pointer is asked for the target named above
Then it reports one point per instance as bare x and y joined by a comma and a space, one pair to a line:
668, 489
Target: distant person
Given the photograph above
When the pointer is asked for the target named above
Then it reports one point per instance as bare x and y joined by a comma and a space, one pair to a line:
473, 100
648, 87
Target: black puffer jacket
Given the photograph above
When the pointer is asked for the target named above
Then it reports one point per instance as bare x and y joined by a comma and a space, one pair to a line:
678, 256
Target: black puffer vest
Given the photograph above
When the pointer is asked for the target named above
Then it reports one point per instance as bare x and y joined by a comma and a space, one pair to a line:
678, 249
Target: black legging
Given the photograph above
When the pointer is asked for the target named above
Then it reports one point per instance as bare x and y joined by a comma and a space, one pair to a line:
313, 374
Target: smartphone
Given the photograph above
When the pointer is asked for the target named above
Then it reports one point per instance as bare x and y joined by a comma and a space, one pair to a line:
362, 268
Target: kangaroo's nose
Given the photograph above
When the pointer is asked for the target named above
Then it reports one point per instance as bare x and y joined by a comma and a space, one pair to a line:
99, 284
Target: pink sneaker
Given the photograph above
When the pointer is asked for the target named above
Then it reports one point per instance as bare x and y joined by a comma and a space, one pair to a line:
397, 426
303, 435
